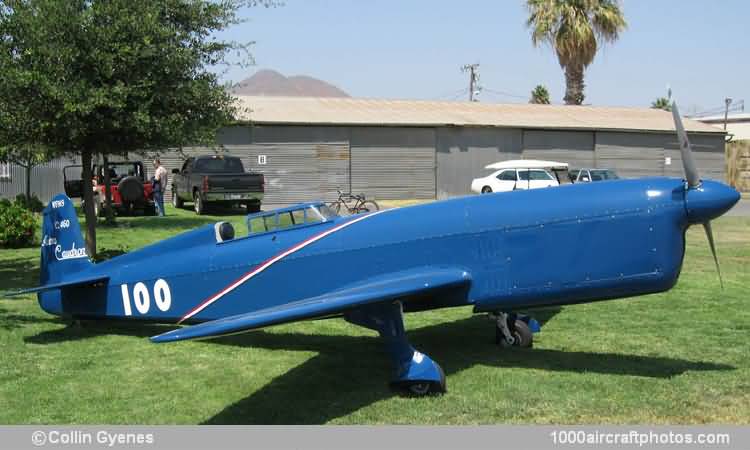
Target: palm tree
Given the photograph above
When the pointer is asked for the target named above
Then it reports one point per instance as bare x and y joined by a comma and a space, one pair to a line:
662, 103
540, 95
575, 29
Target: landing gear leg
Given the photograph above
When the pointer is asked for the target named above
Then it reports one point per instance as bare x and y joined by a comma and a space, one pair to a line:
414, 372
511, 331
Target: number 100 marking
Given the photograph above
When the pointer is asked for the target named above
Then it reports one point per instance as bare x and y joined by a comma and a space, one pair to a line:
142, 299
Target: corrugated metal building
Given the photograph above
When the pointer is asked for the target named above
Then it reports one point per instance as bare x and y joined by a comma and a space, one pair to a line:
46, 179
399, 149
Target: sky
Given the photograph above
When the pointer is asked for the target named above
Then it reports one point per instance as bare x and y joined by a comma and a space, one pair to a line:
414, 49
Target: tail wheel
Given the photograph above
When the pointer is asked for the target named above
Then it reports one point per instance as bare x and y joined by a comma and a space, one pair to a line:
368, 206
198, 203
176, 200
486, 190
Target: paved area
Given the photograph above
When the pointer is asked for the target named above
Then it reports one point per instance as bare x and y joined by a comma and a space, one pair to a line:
741, 209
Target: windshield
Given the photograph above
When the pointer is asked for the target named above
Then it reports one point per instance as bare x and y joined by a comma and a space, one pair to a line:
122, 170
219, 164
600, 175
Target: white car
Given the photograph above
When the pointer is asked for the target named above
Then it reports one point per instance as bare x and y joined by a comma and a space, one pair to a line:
519, 174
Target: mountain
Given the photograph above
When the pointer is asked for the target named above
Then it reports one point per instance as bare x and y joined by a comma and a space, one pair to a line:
272, 83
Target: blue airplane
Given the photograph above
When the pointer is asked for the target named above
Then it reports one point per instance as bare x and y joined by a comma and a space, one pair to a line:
499, 253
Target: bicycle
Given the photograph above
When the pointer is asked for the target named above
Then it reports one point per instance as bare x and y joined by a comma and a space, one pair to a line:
361, 204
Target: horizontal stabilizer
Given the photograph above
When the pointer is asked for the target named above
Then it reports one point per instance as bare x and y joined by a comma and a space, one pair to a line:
384, 288
72, 281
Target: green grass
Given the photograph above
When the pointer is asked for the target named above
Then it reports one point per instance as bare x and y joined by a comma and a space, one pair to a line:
678, 357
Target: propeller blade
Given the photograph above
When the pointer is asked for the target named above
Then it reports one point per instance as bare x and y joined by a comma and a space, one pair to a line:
691, 173
710, 236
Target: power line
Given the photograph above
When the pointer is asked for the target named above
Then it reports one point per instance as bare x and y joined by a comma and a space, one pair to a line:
451, 94
737, 106
459, 94
506, 94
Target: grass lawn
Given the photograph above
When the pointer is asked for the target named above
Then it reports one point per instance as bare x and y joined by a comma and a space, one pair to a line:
678, 357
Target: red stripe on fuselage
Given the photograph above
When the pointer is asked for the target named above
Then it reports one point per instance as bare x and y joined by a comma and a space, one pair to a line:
267, 263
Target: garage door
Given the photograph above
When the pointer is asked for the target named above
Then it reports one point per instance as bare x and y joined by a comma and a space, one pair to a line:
463, 153
573, 147
294, 172
393, 163
631, 154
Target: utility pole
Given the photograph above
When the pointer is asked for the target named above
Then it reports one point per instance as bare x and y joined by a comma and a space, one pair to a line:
727, 102
474, 87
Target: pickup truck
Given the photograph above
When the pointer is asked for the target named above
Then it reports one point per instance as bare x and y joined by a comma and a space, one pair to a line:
216, 179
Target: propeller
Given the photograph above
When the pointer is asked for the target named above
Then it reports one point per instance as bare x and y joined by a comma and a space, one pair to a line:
693, 178
710, 236
691, 172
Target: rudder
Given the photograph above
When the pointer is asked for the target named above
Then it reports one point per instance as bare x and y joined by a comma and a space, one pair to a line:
63, 247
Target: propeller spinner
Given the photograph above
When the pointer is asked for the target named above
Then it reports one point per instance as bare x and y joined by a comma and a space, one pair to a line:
704, 200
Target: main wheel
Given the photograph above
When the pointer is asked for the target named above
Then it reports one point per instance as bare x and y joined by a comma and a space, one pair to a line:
198, 203
419, 388
486, 190
368, 206
176, 200
522, 336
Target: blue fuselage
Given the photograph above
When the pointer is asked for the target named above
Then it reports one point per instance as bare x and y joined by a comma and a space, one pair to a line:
522, 249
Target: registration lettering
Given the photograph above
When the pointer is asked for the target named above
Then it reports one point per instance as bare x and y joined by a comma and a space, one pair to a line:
58, 204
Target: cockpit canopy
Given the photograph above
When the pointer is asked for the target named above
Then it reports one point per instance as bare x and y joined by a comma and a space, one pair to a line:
291, 217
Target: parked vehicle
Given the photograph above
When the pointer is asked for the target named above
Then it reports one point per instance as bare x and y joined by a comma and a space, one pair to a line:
521, 174
589, 175
216, 179
131, 192
353, 204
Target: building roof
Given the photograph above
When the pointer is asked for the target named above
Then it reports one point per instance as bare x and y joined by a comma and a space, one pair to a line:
719, 118
372, 112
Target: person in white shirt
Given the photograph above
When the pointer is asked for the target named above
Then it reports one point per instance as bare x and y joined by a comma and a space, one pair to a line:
159, 183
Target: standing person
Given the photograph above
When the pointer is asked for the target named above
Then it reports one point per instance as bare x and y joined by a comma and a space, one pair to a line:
159, 185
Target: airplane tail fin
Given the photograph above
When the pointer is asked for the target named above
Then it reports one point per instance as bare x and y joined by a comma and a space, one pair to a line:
63, 247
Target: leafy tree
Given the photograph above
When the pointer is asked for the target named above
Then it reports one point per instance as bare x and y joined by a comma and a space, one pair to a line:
540, 95
96, 77
662, 103
574, 29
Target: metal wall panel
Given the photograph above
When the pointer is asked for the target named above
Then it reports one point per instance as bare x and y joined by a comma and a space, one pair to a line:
658, 154
462, 154
46, 180
294, 172
298, 172
631, 154
708, 153
393, 163
573, 147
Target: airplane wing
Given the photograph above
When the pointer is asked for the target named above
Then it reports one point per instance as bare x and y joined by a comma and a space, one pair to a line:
382, 289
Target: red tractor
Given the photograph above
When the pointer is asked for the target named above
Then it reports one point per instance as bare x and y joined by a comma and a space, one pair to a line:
131, 192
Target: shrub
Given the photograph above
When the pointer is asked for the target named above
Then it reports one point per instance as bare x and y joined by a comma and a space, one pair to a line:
33, 204
17, 226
